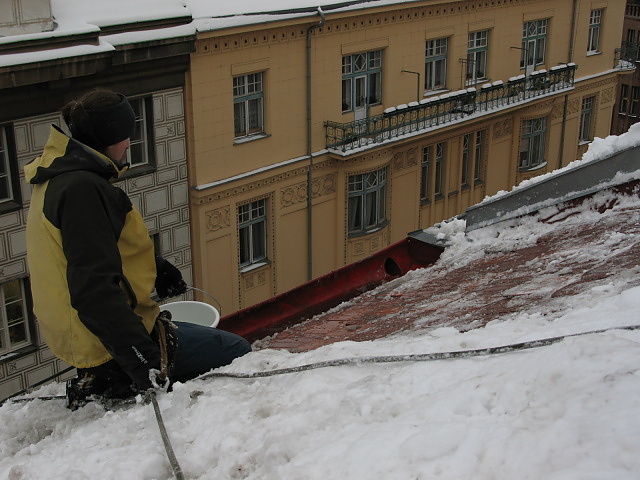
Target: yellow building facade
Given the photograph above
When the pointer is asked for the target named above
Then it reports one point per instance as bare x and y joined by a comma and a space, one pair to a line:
316, 139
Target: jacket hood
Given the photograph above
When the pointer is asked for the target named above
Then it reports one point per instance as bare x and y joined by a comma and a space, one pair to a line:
64, 154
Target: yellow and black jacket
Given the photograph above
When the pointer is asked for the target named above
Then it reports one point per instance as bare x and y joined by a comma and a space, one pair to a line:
91, 260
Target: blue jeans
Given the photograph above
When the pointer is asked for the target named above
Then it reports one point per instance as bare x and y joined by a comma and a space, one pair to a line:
201, 349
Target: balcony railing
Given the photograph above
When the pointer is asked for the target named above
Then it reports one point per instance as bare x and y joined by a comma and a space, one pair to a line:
630, 52
445, 109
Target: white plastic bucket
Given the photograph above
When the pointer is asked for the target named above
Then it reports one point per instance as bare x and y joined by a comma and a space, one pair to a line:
190, 311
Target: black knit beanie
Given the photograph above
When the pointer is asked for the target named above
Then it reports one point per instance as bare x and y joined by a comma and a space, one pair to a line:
103, 126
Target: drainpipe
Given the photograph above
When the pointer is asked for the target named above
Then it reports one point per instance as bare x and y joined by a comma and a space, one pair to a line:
574, 14
309, 150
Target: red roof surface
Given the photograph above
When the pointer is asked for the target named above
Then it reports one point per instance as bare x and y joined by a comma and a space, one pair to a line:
532, 278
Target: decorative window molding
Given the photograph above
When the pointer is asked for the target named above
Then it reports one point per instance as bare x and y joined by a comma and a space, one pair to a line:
367, 206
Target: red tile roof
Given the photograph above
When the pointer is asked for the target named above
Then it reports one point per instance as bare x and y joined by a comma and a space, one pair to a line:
532, 278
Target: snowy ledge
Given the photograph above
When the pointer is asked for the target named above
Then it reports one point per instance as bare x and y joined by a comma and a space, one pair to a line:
606, 164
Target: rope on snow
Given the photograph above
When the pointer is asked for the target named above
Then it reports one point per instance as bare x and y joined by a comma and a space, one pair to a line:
419, 357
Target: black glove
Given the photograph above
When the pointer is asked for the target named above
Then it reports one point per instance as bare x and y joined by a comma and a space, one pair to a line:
169, 282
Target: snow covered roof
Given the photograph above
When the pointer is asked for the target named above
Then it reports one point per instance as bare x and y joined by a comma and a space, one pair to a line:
74, 18
561, 410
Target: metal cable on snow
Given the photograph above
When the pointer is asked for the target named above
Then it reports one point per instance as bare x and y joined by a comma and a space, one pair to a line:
175, 466
418, 357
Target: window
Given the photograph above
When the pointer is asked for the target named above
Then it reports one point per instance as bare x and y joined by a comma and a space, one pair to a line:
436, 64
477, 56
586, 119
477, 170
248, 104
466, 159
624, 98
595, 20
14, 323
427, 155
9, 181
635, 98
532, 143
142, 150
433, 169
252, 228
361, 80
367, 201
439, 181
534, 43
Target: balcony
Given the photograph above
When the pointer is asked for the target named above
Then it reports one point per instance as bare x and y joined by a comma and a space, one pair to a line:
436, 112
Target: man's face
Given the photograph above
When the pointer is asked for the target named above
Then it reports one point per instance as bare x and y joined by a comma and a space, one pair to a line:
117, 153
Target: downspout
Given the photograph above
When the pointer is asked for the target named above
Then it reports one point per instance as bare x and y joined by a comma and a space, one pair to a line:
309, 150
574, 14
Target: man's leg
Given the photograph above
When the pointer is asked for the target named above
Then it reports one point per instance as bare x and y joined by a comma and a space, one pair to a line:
201, 349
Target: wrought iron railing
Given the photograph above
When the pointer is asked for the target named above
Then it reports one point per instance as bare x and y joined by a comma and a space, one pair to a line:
444, 109
630, 52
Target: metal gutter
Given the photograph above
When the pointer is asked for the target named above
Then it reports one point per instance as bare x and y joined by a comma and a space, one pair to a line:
563, 186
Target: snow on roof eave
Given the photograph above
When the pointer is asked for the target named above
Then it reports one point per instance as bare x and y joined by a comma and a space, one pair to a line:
208, 23
561, 186
54, 55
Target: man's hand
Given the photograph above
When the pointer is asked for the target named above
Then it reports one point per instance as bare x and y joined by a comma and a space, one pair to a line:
169, 282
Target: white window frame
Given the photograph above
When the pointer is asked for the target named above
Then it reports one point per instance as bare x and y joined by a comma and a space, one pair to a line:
252, 233
7, 181
354, 68
367, 206
248, 105
141, 151
477, 56
595, 22
14, 304
532, 143
534, 43
436, 52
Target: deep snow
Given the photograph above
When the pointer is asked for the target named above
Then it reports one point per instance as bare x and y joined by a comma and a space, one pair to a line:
564, 411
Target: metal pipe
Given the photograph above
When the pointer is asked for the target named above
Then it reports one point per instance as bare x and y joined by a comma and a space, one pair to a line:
310, 150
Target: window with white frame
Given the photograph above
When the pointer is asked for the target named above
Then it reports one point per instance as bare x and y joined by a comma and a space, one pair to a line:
142, 150
477, 56
14, 321
252, 230
361, 80
435, 77
532, 143
248, 104
367, 201
586, 119
595, 20
6, 182
534, 43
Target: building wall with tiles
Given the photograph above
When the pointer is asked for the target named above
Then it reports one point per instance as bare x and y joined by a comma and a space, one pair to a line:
161, 196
